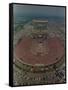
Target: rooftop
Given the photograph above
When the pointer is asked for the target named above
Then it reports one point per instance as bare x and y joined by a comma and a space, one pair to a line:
38, 20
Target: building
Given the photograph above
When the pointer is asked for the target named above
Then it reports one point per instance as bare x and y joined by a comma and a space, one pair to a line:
40, 27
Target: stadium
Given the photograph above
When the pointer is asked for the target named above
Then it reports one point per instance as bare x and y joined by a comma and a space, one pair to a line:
39, 54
